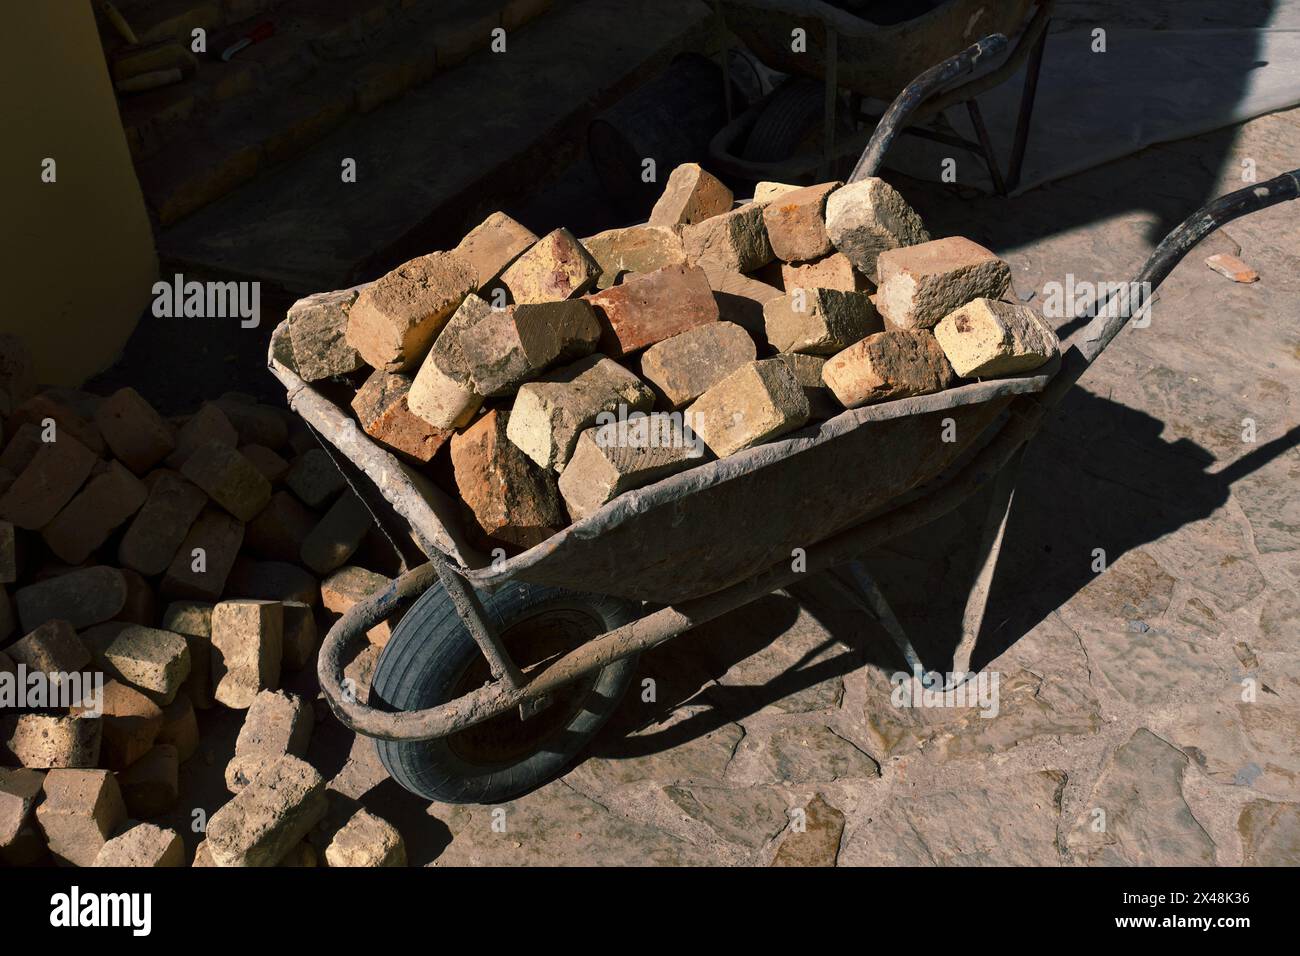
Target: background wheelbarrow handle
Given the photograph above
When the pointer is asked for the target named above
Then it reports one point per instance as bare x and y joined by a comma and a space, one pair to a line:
1097, 334
932, 81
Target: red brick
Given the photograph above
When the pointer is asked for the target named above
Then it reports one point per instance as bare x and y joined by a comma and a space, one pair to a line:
652, 306
134, 431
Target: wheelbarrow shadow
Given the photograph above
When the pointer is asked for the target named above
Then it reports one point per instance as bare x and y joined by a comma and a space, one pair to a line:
1099, 476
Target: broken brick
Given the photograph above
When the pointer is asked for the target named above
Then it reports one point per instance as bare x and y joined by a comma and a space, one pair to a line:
898, 363
318, 335
83, 597
735, 241
382, 405
491, 246
691, 195
920, 284
133, 430
229, 479
819, 321
106, 501
160, 526
796, 225
48, 483
753, 404
509, 347
246, 650
653, 306
204, 559
685, 366
81, 810
556, 267
985, 338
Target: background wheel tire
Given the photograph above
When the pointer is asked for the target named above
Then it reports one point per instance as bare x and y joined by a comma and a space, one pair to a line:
431, 659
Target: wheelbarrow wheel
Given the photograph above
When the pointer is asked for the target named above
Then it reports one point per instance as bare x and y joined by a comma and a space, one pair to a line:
432, 659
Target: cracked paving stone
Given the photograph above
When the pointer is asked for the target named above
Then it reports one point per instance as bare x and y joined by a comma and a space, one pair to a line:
1270, 833
1279, 621
556, 826
1151, 667
700, 758
1145, 820
1268, 497
1215, 559
747, 817
815, 754
1134, 587
1028, 707
1243, 744
1012, 822
818, 844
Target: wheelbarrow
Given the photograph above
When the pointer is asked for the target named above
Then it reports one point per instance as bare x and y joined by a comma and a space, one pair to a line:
840, 51
502, 669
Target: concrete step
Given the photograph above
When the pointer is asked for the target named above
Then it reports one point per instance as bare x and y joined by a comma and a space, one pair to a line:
432, 163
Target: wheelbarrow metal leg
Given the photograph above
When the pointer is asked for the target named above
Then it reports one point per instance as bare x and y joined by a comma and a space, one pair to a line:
1032, 68
986, 147
479, 625
874, 601
995, 527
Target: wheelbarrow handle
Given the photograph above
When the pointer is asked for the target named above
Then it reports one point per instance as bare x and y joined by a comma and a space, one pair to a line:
929, 83
1098, 333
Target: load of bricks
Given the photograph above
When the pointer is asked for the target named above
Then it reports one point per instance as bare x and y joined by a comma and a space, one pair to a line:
537, 378
153, 570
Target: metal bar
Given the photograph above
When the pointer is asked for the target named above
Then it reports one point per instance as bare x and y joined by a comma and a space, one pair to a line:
1026, 109
875, 600
478, 623
998, 75
917, 92
995, 527
986, 147
725, 46
832, 92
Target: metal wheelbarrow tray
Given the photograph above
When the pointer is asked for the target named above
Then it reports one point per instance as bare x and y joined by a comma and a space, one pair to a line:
703, 542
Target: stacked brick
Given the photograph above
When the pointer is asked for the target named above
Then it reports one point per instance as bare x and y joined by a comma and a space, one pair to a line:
558, 373
152, 569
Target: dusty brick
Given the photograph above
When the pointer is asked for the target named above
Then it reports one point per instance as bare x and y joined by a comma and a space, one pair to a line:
442, 392
866, 218
766, 191
276, 723
160, 527
153, 661
81, 810
611, 459
20, 788
691, 195
347, 587
143, 845
337, 535
556, 267
634, 249
382, 406
819, 321
269, 817
247, 646
834, 271
548, 415
753, 404
278, 529
131, 722
687, 365
52, 648
68, 420
921, 284
314, 478
229, 479
513, 501
269, 464
986, 338
21, 448
318, 335
272, 581
48, 483
106, 501
8, 553
41, 741
208, 424
491, 246
888, 365
300, 639
807, 371
735, 241
151, 785
397, 317
82, 598
218, 536
796, 223
180, 727
741, 299
192, 620
255, 424
133, 430
653, 306
366, 840
510, 347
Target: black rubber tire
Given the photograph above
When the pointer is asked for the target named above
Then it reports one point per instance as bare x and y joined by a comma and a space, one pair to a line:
430, 658
793, 115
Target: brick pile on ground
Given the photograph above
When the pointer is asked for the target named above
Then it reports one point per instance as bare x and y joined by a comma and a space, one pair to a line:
516, 369
183, 560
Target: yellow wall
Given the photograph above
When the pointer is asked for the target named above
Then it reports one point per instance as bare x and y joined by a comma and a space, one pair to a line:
76, 255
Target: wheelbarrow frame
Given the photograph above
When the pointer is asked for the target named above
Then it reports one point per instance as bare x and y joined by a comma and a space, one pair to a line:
994, 464
1029, 45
